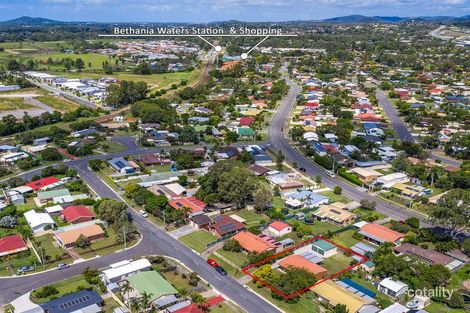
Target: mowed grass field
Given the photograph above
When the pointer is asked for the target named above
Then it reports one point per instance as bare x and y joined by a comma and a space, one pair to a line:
58, 103
92, 60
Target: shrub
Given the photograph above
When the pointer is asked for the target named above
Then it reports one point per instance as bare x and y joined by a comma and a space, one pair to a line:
46, 291
349, 176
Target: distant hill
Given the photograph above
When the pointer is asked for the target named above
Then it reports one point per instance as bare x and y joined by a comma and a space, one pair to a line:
348, 19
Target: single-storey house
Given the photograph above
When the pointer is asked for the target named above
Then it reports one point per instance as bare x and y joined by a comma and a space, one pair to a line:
323, 248
11, 245
38, 221
297, 260
379, 234
68, 238
226, 226
334, 214
392, 288
279, 228
253, 243
81, 301
162, 293
121, 270
77, 214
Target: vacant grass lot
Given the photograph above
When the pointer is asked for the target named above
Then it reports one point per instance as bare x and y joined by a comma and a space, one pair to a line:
7, 104
198, 240
232, 271
252, 218
334, 197
59, 104
238, 258
336, 263
345, 238
95, 60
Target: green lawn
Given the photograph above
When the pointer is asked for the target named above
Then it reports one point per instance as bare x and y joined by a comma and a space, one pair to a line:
334, 197
345, 238
59, 104
368, 215
111, 147
198, 240
238, 258
51, 252
319, 228
95, 59
336, 263
278, 203
109, 305
65, 287
305, 303
252, 218
101, 247
178, 281
436, 307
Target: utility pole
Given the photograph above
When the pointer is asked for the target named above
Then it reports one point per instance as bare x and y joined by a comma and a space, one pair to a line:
124, 233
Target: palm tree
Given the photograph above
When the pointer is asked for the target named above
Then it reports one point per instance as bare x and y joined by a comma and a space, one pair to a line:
144, 300
126, 288
134, 305
433, 173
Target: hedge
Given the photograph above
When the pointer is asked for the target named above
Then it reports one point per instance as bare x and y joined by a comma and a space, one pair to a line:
349, 176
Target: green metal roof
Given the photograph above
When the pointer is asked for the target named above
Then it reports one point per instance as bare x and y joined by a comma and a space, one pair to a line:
324, 245
152, 283
53, 193
245, 131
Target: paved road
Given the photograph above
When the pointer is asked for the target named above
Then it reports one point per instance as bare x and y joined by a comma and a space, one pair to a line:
394, 117
155, 241
280, 143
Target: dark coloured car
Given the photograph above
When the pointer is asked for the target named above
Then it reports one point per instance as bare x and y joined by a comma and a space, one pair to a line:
302, 169
221, 270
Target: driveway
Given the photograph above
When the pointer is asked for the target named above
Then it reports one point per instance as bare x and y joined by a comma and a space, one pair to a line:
182, 231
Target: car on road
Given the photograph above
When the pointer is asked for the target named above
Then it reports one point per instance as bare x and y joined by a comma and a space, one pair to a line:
302, 169
66, 160
331, 173
143, 213
212, 263
221, 270
25, 269
62, 266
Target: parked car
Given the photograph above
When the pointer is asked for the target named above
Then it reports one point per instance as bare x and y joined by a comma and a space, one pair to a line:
143, 213
302, 169
25, 269
62, 266
331, 173
221, 270
212, 263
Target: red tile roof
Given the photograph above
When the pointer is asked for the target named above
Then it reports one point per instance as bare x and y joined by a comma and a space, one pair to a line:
253, 243
299, 261
43, 182
279, 225
11, 244
215, 300
71, 213
246, 121
193, 203
367, 117
192, 308
382, 232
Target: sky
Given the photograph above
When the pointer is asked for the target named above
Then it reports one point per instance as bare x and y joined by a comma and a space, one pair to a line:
219, 10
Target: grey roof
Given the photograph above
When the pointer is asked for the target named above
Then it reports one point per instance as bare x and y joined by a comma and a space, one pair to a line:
73, 302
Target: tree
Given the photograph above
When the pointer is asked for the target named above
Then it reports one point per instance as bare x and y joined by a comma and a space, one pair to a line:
126, 288
368, 204
452, 211
232, 245
82, 242
466, 246
79, 64
144, 300
413, 222
264, 273
337, 190
51, 154
279, 160
340, 308
262, 197
111, 211
237, 186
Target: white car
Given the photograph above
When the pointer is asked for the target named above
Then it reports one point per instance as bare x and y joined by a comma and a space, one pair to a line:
143, 213
330, 173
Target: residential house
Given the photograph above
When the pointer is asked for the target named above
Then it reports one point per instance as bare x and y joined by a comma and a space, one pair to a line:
41, 141
162, 293
43, 183
11, 245
296, 260
81, 301
226, 226
227, 153
77, 214
335, 213
67, 237
387, 181
121, 270
333, 294
121, 165
12, 157
366, 175
192, 203
323, 248
428, 256
279, 228
201, 221
47, 196
379, 234
253, 243
392, 288
308, 198
38, 222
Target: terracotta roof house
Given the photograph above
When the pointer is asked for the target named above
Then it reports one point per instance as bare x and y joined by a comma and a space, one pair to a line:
77, 214
225, 225
192, 203
12, 244
152, 159
368, 117
279, 228
68, 238
253, 243
296, 260
379, 234
259, 170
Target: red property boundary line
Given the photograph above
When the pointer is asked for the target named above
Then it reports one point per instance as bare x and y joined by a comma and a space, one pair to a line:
285, 296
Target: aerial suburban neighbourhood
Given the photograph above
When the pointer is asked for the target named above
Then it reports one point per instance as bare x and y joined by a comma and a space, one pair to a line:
291, 164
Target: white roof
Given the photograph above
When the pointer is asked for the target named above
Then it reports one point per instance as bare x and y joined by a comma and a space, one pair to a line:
391, 177
175, 188
238, 218
360, 224
124, 268
393, 285
53, 209
35, 219
22, 189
